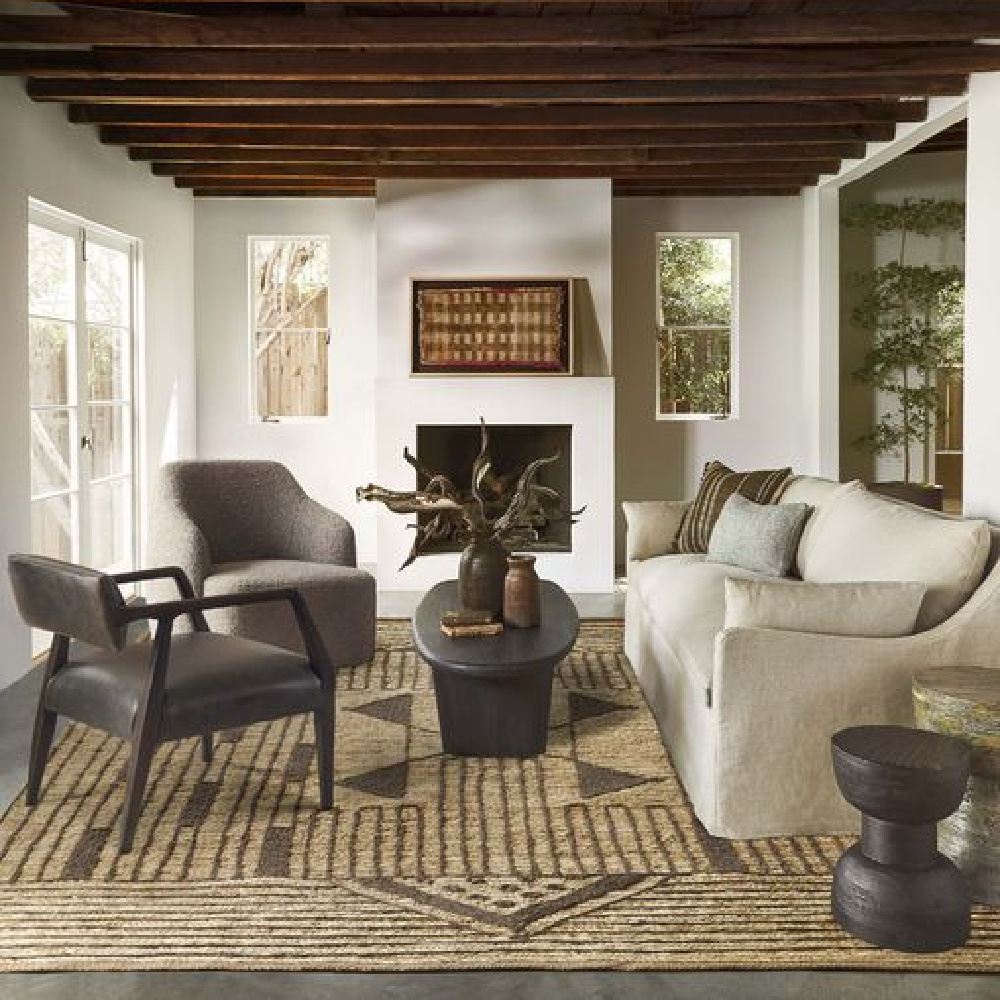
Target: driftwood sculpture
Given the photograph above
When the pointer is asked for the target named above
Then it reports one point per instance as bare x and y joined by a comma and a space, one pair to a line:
508, 509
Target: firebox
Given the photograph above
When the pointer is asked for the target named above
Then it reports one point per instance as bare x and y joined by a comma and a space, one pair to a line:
451, 450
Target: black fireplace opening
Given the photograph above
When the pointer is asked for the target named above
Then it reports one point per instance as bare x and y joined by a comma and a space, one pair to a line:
451, 450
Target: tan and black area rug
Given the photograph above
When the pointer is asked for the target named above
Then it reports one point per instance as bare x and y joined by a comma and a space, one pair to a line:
586, 858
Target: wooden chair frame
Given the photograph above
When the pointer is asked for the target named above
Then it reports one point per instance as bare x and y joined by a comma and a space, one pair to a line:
145, 737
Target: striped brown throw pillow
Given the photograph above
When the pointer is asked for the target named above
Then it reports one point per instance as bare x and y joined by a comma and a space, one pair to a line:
718, 484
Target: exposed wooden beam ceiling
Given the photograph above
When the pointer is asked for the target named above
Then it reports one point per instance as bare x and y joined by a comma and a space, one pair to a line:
271, 98
524, 64
605, 31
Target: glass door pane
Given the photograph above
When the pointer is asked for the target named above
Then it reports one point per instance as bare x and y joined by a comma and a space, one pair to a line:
52, 382
53, 308
108, 530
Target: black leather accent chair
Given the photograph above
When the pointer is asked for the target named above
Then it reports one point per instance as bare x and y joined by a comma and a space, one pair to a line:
189, 684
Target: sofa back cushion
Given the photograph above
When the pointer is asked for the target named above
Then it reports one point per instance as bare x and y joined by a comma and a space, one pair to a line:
819, 494
718, 484
860, 536
871, 609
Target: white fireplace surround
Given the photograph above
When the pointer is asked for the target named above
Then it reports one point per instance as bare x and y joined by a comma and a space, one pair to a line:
585, 403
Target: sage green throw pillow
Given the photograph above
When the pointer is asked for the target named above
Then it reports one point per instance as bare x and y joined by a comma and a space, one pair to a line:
759, 537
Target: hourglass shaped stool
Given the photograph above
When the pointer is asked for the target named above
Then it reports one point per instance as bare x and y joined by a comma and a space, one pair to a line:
893, 888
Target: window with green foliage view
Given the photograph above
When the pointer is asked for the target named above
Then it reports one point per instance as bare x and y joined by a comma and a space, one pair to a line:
696, 292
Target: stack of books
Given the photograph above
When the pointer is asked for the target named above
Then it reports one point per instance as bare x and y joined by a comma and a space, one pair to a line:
469, 624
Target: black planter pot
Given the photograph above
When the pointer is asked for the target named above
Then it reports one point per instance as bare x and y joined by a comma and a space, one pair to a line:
481, 573
929, 496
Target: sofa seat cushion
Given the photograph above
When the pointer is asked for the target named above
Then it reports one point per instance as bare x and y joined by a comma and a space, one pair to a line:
213, 682
861, 536
684, 597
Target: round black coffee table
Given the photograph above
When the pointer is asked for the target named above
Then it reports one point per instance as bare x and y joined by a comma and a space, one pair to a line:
493, 692
894, 888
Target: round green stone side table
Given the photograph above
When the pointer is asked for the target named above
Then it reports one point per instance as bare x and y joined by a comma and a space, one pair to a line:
965, 702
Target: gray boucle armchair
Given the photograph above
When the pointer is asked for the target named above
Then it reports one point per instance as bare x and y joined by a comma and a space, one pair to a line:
244, 526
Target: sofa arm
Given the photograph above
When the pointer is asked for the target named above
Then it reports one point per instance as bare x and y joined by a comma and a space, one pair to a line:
652, 526
779, 697
318, 534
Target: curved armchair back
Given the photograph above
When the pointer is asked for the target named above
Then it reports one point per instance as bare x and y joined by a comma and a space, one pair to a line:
244, 509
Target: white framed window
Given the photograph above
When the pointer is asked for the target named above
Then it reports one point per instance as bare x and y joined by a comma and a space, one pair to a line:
82, 322
697, 300
289, 326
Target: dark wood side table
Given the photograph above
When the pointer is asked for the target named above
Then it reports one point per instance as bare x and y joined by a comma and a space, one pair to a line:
894, 888
493, 693
965, 702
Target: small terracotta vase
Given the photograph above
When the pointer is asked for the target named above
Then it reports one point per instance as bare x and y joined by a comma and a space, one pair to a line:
521, 600
481, 573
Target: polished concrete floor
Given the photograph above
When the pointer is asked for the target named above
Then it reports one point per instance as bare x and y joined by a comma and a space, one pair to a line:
16, 709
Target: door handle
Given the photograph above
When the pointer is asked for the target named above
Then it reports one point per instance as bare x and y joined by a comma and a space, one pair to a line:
86, 442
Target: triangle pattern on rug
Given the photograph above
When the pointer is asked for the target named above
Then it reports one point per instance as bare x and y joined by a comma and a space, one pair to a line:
596, 780
585, 706
396, 709
388, 782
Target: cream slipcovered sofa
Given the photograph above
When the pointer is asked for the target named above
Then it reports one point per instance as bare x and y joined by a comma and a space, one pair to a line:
747, 713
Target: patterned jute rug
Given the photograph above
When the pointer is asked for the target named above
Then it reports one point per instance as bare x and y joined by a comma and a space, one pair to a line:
586, 858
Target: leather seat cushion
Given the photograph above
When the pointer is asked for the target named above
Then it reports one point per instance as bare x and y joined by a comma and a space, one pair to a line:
213, 682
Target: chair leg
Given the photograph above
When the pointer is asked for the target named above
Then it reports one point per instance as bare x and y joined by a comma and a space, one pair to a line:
323, 725
143, 748
206, 748
41, 743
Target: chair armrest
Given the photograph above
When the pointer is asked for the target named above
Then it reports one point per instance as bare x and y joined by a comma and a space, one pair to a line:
174, 573
318, 534
166, 612
652, 526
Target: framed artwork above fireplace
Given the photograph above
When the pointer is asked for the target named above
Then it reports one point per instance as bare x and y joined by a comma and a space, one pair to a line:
492, 326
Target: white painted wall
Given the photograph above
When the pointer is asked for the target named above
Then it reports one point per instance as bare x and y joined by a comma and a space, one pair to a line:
65, 166
774, 426
511, 229
330, 456
981, 487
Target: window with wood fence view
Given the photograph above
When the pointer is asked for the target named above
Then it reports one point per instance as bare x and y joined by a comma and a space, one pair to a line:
291, 326
695, 291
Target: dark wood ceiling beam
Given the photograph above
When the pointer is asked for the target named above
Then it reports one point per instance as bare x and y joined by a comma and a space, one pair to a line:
359, 192
576, 116
356, 138
524, 64
654, 171
134, 28
312, 93
673, 192
502, 154
265, 184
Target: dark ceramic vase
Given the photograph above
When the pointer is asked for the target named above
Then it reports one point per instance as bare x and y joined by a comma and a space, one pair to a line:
521, 602
481, 573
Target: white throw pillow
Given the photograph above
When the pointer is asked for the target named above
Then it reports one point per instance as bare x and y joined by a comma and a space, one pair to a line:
821, 495
652, 526
860, 536
871, 609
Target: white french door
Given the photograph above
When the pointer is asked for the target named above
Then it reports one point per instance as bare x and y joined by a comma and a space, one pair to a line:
81, 318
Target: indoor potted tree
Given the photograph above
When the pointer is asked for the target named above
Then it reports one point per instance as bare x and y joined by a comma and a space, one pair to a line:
914, 314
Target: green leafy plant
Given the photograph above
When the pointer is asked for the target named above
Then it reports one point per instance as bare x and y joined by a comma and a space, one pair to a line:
914, 314
695, 296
